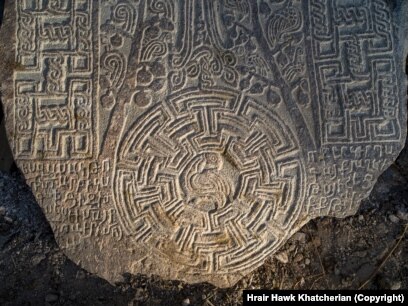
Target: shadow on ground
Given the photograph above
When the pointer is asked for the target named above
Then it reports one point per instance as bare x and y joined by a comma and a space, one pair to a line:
327, 253
366, 250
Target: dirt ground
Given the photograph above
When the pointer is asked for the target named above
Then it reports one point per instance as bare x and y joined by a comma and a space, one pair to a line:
368, 250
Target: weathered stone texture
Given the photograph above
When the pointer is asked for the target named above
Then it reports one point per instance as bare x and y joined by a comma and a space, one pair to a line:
191, 139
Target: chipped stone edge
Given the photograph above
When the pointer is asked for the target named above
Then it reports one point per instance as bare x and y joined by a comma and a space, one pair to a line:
7, 64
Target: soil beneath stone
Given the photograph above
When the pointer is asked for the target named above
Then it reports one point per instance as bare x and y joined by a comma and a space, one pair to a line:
366, 250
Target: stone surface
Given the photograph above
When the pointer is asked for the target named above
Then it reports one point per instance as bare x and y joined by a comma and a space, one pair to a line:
191, 139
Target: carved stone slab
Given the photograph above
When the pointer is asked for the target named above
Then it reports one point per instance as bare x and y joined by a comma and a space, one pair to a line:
192, 138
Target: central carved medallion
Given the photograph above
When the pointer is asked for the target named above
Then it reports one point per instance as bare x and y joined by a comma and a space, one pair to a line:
191, 138
207, 176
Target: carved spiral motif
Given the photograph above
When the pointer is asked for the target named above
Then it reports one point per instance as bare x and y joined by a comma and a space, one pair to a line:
114, 63
125, 14
205, 176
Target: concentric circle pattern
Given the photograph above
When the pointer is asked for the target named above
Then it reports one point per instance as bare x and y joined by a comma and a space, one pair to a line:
209, 179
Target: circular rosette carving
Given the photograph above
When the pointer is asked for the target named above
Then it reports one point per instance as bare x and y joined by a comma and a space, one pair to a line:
210, 180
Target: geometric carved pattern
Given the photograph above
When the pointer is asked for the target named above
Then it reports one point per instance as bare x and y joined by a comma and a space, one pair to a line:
191, 138
53, 89
210, 179
353, 51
